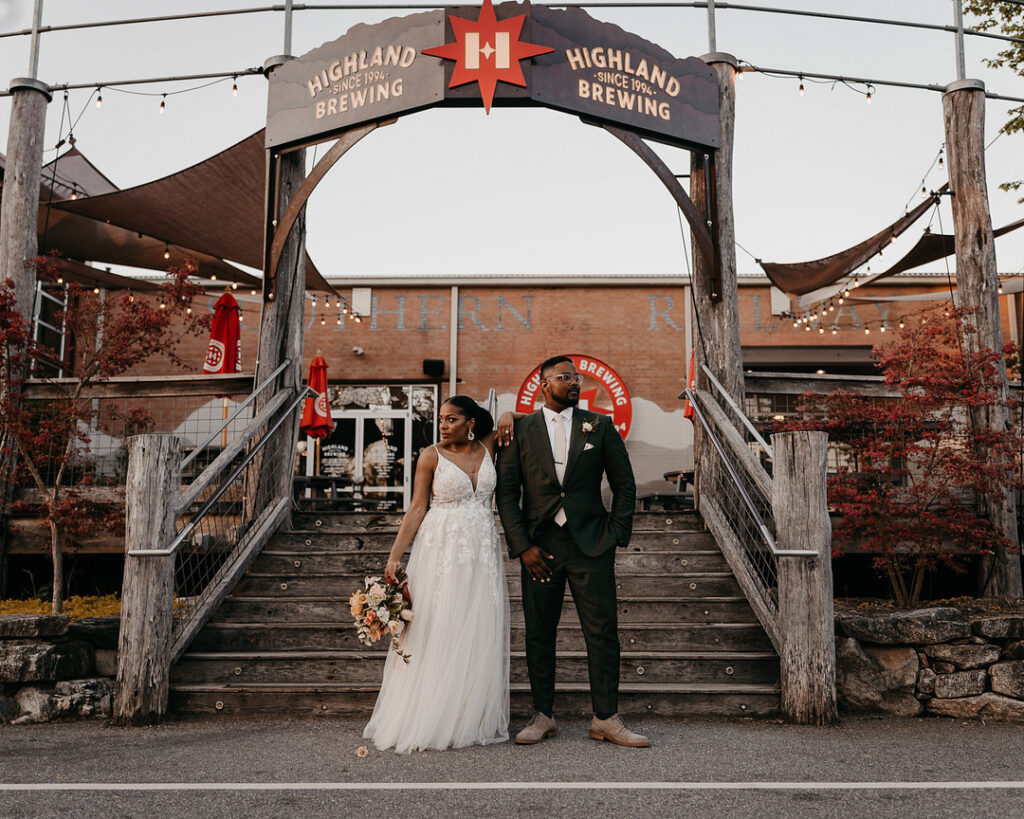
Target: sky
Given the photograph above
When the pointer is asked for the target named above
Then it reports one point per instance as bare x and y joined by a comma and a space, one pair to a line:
536, 192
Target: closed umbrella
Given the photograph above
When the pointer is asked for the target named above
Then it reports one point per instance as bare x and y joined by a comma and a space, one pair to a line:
691, 382
316, 417
224, 353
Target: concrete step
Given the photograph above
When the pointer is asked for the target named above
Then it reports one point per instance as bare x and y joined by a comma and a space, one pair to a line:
340, 636
274, 562
366, 667
371, 521
727, 609
681, 586
328, 541
572, 699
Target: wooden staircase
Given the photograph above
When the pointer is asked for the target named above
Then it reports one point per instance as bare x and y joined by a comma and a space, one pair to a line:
283, 642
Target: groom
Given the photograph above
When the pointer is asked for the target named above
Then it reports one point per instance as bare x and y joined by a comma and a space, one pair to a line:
560, 531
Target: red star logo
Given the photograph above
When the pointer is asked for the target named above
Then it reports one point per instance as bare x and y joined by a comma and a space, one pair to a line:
486, 51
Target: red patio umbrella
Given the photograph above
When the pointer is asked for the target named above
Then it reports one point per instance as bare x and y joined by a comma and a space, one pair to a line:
316, 416
224, 355
691, 382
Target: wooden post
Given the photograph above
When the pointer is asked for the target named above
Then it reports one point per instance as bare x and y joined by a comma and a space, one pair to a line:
963, 108
147, 597
19, 242
806, 618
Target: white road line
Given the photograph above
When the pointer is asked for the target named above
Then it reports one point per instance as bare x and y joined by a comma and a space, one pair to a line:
513, 786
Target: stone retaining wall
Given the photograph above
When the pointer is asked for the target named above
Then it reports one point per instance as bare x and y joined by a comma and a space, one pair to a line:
938, 661
51, 667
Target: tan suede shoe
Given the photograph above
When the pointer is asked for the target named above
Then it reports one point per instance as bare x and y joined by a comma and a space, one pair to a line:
613, 730
540, 727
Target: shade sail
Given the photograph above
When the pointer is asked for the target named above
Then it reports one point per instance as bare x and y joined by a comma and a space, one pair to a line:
72, 174
73, 271
803, 277
215, 207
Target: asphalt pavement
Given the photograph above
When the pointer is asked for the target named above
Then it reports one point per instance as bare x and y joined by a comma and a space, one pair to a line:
228, 767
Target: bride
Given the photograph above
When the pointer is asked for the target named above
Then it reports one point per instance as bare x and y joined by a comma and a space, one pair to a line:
454, 691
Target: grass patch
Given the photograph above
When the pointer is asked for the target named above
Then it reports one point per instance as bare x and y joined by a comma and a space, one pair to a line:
77, 607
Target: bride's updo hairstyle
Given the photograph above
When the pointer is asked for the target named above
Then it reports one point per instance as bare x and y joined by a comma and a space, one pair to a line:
471, 410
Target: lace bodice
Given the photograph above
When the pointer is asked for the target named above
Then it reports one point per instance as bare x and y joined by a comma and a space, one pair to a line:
453, 487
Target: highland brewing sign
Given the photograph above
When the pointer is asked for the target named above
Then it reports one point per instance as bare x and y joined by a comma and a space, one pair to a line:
512, 54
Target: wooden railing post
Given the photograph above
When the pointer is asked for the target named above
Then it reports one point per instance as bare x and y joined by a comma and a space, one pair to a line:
147, 597
806, 617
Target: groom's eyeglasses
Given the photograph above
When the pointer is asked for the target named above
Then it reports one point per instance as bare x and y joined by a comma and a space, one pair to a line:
566, 378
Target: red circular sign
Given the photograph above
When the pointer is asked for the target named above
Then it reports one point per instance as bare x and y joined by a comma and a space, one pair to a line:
602, 391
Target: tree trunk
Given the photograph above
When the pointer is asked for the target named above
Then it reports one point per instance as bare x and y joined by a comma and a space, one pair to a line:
807, 662
19, 244
57, 555
963, 107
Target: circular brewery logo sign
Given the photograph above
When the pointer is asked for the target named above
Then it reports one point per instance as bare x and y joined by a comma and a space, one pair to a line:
602, 391
321, 405
214, 356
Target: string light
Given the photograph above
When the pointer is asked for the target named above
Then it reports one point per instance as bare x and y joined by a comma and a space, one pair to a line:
867, 98
96, 291
213, 277
74, 193
60, 280
323, 321
188, 310
167, 251
941, 163
801, 91
881, 329
234, 86
163, 104
270, 296
163, 305
834, 331
252, 292
867, 331
99, 99
901, 324
234, 285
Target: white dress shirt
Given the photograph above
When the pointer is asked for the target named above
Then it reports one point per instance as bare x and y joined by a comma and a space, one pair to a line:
565, 418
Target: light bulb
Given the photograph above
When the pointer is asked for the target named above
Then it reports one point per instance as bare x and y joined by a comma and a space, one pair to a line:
167, 252
881, 329
796, 324
834, 331
213, 277
840, 300
323, 321
901, 325
339, 319
234, 89
60, 280
867, 99
163, 105
252, 292
270, 296
821, 330
234, 285
74, 195
807, 329
99, 100
96, 291
801, 92
941, 163
867, 331
163, 305
188, 310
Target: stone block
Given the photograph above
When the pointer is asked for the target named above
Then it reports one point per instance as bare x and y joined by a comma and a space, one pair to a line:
943, 668
1008, 678
8, 709
964, 655
84, 698
1001, 627
106, 662
24, 661
16, 626
102, 632
960, 684
926, 681
1014, 651
35, 704
919, 626
876, 679
987, 706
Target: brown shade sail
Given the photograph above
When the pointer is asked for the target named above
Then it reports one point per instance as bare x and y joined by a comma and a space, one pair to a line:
73, 271
804, 277
215, 207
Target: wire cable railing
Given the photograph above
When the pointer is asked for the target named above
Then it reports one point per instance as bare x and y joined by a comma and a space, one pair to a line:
223, 522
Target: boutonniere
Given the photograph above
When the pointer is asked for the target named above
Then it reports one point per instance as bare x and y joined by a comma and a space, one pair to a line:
588, 427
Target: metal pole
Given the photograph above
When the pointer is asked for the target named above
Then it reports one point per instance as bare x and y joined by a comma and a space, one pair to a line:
288, 27
958, 19
33, 54
712, 39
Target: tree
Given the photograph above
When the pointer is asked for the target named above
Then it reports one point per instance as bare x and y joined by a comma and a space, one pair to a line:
51, 438
918, 470
1009, 19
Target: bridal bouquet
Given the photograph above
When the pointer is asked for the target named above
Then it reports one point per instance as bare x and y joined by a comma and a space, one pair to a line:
382, 608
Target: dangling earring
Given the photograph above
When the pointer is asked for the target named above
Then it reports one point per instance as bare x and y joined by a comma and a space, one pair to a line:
471, 436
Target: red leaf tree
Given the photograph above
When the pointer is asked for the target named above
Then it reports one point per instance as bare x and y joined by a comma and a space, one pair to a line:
917, 470
50, 438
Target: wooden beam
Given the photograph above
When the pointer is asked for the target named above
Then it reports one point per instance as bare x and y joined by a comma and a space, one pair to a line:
144, 386
147, 594
807, 661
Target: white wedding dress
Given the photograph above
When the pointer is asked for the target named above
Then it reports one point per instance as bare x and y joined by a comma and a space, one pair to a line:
454, 691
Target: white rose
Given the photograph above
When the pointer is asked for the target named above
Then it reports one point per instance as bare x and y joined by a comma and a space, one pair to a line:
383, 614
407, 615
395, 626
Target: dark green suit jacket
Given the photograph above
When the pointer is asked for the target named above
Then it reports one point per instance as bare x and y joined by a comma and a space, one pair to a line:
528, 491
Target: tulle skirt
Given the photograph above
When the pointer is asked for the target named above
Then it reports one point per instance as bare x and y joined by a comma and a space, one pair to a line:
454, 691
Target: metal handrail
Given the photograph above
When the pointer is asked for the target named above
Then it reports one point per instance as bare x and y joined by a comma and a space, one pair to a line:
269, 379
762, 528
191, 525
746, 421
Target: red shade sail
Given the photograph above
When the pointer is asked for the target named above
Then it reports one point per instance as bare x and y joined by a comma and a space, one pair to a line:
224, 355
316, 416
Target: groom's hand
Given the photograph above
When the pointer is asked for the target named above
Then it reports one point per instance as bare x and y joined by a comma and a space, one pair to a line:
535, 559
